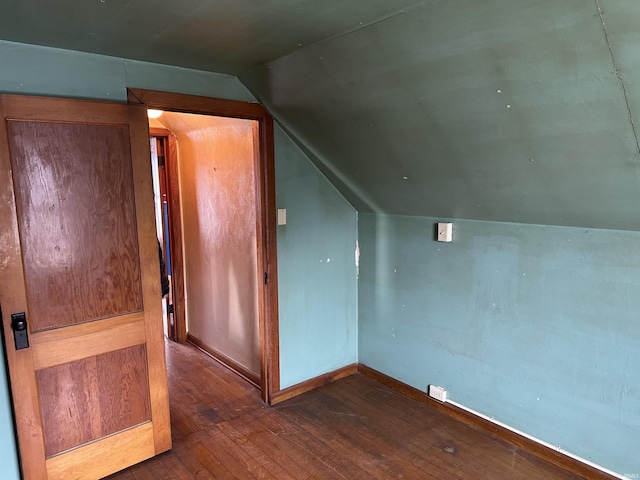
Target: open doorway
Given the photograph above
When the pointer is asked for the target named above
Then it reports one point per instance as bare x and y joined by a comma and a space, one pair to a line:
216, 205
164, 155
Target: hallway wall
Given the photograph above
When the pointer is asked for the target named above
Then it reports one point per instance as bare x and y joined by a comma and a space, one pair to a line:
217, 191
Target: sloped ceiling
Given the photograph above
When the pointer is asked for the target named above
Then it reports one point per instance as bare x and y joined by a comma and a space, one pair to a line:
507, 110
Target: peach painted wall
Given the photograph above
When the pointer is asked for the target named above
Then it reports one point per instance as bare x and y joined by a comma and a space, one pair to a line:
219, 232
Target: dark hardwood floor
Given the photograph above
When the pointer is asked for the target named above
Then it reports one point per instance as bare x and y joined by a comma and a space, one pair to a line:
354, 428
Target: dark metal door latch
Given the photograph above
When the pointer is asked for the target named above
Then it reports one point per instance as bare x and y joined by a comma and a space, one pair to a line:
19, 326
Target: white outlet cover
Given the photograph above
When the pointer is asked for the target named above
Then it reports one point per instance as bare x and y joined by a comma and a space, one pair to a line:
438, 393
445, 232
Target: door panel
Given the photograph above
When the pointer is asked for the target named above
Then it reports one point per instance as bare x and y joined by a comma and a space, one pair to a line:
78, 238
76, 216
94, 397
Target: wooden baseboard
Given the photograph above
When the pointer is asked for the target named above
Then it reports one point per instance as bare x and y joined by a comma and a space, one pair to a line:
313, 383
224, 360
552, 456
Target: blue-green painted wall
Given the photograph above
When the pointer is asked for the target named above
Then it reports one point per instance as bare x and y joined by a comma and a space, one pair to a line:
318, 300
317, 277
33, 70
8, 452
536, 326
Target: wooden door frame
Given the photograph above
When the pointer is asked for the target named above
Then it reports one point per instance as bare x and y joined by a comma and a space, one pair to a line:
265, 209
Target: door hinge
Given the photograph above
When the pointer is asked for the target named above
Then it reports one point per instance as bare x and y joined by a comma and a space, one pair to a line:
266, 277
170, 308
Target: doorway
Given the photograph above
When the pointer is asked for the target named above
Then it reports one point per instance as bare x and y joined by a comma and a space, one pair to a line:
166, 185
239, 295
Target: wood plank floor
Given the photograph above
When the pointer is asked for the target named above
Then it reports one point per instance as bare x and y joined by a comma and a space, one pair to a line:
354, 429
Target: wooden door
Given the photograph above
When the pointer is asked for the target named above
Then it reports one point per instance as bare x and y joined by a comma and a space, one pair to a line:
80, 258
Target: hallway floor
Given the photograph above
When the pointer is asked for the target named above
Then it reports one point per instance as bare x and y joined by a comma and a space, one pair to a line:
354, 428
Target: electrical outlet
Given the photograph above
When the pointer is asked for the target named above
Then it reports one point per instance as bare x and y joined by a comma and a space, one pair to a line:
438, 393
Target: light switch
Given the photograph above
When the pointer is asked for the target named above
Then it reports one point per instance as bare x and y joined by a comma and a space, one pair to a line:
282, 216
445, 232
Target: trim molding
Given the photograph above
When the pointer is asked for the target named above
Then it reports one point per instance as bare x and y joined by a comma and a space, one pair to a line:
313, 383
231, 364
542, 451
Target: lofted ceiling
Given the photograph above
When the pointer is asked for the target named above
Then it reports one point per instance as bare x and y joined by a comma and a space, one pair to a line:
507, 110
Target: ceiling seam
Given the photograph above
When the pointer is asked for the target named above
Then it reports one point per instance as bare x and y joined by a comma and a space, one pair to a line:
339, 35
619, 76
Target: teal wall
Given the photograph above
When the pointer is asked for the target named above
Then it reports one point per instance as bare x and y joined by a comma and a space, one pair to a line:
317, 277
33, 70
536, 326
317, 299
8, 452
